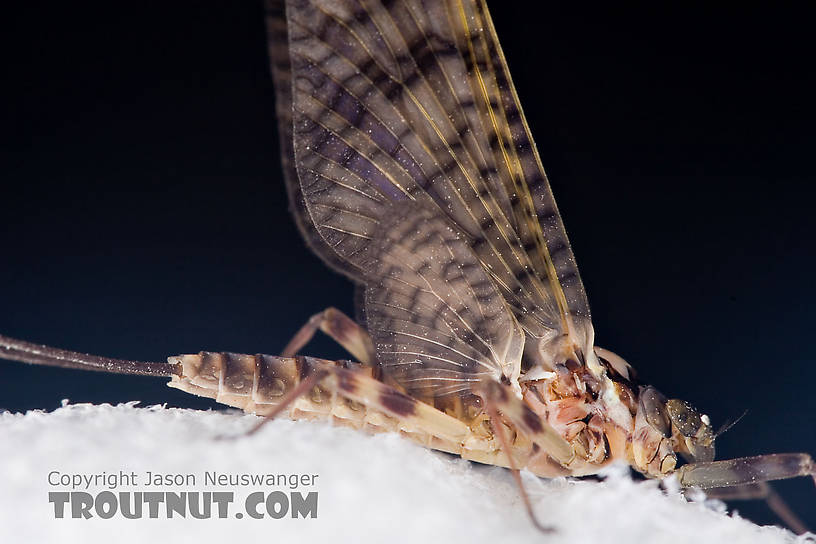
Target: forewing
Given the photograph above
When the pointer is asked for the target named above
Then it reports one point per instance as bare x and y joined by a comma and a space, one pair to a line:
411, 103
536, 214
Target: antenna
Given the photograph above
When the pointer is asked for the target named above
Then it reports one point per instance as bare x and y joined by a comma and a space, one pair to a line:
728, 424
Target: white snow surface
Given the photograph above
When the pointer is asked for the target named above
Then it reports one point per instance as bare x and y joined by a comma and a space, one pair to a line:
378, 488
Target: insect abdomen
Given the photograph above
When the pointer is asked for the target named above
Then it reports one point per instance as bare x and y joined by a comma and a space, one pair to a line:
235, 379
259, 383
253, 383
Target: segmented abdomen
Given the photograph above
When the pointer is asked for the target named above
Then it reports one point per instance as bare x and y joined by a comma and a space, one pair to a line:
253, 383
259, 383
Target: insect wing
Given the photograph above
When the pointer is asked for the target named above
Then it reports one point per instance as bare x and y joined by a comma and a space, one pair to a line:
437, 319
281, 69
409, 105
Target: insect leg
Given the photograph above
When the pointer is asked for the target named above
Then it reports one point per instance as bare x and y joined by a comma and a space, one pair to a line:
761, 491
338, 326
313, 388
527, 421
306, 385
752, 473
498, 429
412, 416
746, 470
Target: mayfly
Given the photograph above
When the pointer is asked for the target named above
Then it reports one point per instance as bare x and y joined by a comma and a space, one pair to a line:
411, 170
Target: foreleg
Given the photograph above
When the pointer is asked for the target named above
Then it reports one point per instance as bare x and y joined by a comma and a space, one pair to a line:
761, 491
747, 477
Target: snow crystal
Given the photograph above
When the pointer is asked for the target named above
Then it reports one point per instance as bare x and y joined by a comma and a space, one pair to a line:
370, 488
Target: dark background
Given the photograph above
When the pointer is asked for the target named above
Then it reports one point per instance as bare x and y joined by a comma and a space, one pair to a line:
142, 210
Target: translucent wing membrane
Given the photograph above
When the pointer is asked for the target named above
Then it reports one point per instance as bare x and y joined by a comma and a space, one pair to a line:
540, 224
437, 320
278, 40
409, 105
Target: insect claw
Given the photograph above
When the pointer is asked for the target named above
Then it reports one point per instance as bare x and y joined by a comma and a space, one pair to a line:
249, 432
543, 528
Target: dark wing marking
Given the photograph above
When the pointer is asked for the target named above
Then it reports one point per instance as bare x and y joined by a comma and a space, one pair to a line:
535, 209
437, 320
278, 42
411, 103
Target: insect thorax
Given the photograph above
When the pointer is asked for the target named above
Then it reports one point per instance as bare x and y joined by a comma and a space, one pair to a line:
591, 398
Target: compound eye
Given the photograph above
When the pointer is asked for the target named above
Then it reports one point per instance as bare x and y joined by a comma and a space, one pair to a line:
653, 405
685, 417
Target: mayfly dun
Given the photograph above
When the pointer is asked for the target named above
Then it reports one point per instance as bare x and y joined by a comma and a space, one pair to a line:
410, 169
